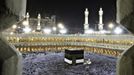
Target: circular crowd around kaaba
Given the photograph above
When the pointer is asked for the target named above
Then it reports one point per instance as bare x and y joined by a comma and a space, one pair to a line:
52, 63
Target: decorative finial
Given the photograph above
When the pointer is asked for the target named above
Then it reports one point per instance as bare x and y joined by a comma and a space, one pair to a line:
86, 12
100, 11
86, 9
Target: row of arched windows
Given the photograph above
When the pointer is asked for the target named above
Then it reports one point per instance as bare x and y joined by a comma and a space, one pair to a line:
103, 51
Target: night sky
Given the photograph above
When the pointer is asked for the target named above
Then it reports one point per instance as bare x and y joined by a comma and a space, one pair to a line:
71, 12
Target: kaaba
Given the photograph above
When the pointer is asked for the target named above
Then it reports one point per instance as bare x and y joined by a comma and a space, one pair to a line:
74, 56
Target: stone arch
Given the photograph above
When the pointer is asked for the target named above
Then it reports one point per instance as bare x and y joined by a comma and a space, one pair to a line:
125, 16
11, 11
10, 59
125, 63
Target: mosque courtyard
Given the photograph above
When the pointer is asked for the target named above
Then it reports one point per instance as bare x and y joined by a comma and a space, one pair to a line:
52, 63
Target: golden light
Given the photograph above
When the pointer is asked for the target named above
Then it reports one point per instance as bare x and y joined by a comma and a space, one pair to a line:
111, 25
60, 25
25, 23
54, 28
14, 26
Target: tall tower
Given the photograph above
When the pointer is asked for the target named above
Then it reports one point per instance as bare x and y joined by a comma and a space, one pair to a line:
39, 20
100, 25
26, 22
86, 25
27, 16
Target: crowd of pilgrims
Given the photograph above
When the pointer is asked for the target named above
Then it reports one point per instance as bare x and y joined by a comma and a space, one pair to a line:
52, 63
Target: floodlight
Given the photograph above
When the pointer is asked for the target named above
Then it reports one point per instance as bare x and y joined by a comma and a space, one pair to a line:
11, 33
27, 30
25, 23
14, 26
111, 25
54, 28
60, 25
118, 30
89, 31
63, 31
103, 31
47, 30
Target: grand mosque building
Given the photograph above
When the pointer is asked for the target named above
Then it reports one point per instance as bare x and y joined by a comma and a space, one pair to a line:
37, 46
37, 36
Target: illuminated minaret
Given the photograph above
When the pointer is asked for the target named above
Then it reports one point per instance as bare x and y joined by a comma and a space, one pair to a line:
86, 25
100, 25
26, 22
39, 20
27, 17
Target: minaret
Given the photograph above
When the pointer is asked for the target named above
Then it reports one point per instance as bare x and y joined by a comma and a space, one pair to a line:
27, 16
86, 25
100, 25
26, 22
39, 20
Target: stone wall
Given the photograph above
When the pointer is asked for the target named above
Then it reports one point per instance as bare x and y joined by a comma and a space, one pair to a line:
1, 63
125, 16
10, 59
121, 6
11, 11
12, 66
17, 7
125, 13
